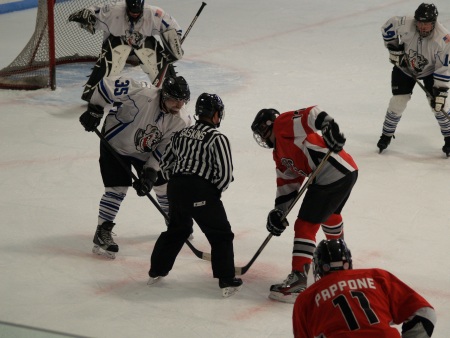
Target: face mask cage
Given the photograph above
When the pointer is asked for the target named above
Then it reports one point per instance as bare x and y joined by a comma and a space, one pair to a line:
262, 133
424, 33
260, 141
168, 96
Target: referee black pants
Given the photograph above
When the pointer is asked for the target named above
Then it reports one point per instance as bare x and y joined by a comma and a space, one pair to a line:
194, 198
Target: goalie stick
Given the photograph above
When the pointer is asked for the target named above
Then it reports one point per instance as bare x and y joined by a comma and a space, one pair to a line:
198, 253
244, 269
162, 73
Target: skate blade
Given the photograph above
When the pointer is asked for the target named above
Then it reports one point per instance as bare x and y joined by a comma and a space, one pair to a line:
230, 291
101, 252
284, 298
152, 281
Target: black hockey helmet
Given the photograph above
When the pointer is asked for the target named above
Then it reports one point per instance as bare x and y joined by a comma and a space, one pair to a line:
331, 255
262, 126
175, 88
208, 104
135, 8
426, 13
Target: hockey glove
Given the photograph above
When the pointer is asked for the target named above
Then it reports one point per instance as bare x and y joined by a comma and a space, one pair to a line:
146, 181
91, 118
274, 224
439, 97
333, 138
397, 56
85, 18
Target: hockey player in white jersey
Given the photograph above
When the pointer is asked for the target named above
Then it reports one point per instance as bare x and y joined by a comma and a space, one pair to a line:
141, 120
129, 27
419, 48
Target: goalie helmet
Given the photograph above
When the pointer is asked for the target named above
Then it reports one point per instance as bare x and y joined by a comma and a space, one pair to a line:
262, 126
425, 13
331, 255
208, 104
135, 8
175, 88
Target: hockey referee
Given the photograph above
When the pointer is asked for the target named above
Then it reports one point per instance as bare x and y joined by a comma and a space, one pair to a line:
198, 165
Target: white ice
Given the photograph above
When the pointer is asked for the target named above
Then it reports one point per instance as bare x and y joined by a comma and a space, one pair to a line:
255, 54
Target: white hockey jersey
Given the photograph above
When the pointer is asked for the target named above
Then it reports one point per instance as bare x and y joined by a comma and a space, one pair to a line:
112, 19
429, 55
135, 124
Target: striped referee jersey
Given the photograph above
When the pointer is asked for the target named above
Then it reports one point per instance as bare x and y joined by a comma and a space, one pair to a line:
201, 150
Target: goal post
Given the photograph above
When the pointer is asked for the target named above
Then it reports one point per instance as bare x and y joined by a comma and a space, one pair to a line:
55, 41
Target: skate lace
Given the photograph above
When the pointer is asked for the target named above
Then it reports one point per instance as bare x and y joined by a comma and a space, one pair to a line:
107, 236
289, 280
292, 278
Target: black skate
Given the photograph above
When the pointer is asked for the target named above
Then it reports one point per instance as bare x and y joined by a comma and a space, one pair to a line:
155, 278
103, 243
230, 286
446, 147
384, 142
293, 285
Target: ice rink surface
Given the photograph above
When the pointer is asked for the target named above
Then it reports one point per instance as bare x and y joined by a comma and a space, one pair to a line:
283, 54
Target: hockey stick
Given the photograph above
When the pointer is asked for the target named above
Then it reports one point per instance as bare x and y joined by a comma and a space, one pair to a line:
427, 93
158, 80
244, 269
198, 253
193, 21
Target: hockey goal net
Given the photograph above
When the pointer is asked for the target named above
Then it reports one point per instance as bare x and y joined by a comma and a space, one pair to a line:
55, 41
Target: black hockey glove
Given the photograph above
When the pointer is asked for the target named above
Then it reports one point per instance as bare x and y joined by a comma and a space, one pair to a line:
274, 224
439, 97
333, 138
146, 181
85, 18
397, 56
91, 118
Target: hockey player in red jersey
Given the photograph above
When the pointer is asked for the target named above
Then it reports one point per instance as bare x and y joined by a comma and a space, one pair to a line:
358, 303
297, 151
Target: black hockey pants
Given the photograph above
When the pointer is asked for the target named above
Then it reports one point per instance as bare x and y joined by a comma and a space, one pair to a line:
194, 198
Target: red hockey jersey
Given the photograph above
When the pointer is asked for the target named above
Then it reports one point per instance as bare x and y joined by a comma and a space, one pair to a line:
356, 303
299, 149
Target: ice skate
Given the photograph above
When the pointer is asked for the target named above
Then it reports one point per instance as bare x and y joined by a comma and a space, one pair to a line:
384, 142
104, 245
446, 147
230, 286
154, 280
293, 285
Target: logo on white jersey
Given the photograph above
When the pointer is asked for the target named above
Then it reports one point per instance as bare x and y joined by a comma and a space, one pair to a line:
147, 140
417, 61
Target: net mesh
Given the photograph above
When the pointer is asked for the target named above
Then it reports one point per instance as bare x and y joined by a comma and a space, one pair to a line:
31, 68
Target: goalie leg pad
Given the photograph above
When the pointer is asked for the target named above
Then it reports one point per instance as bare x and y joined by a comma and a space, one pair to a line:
119, 58
151, 58
110, 62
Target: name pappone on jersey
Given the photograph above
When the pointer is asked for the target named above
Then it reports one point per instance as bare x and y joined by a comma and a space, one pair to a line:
351, 284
